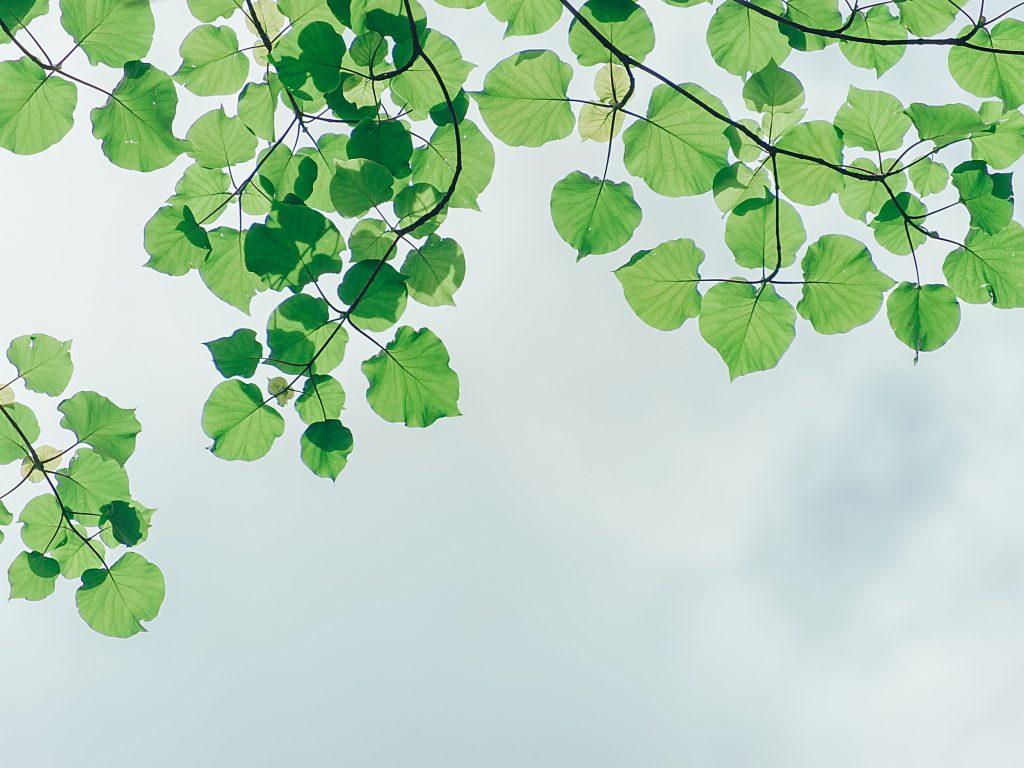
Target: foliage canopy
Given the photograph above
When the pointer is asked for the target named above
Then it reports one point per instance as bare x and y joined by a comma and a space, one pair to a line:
340, 133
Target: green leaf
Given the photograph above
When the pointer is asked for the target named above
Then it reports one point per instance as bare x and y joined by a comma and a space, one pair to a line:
325, 447
622, 22
858, 197
359, 185
594, 215
679, 148
41, 523
872, 120
36, 109
387, 143
322, 399
18, 13
224, 270
320, 59
661, 284
175, 241
12, 447
96, 421
842, 288
989, 267
381, 291
877, 24
435, 163
115, 603
434, 271
371, 239
928, 176
926, 18
750, 326
75, 556
32, 576
241, 425
211, 64
418, 87
944, 124
924, 317
988, 197
236, 355
134, 125
204, 191
299, 330
411, 381
750, 233
777, 93
1004, 144
256, 107
90, 482
295, 247
987, 73
211, 10
742, 40
218, 141
124, 523
43, 362
524, 99
415, 207
817, 14
111, 32
526, 17
892, 231
807, 182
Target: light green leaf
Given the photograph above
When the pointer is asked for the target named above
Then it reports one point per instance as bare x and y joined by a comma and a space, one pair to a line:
90, 482
924, 317
96, 421
742, 40
750, 326
926, 18
928, 176
622, 22
526, 17
211, 64
359, 185
843, 288
679, 148
36, 108
872, 120
115, 603
661, 284
111, 32
256, 107
224, 271
134, 125
12, 446
988, 197
892, 230
987, 73
299, 330
32, 576
858, 197
944, 124
411, 381
434, 271
594, 215
750, 233
877, 24
989, 267
41, 524
175, 241
418, 87
43, 362
241, 425
325, 448
807, 182
218, 141
524, 99
435, 163
322, 399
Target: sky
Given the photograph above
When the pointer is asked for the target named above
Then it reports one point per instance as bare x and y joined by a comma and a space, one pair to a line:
615, 557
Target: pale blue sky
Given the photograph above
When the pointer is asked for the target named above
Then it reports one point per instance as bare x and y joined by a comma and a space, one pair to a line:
615, 558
